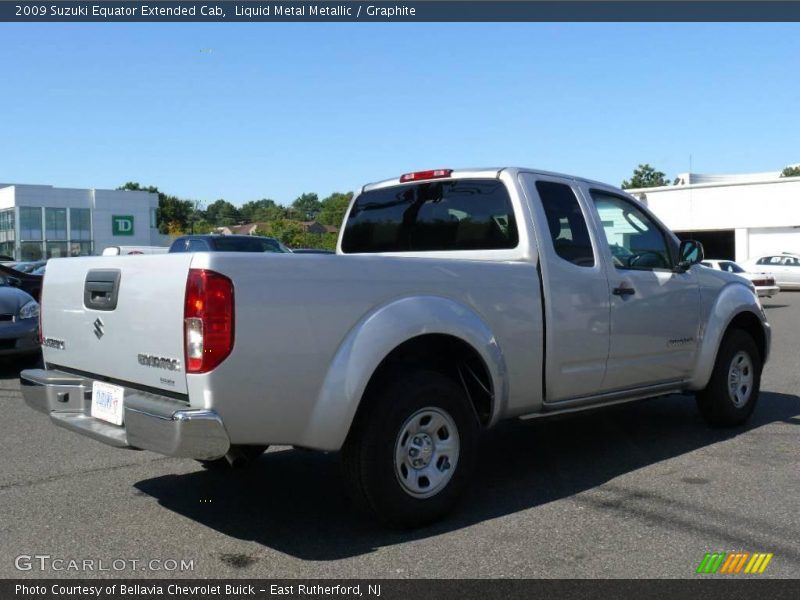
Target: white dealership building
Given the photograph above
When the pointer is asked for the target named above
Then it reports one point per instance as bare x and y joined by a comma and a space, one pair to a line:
42, 221
734, 216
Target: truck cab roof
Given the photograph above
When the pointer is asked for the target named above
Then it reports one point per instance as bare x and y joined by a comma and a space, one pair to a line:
483, 172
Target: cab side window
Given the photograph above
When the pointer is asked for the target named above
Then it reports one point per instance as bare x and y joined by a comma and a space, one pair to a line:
568, 230
635, 241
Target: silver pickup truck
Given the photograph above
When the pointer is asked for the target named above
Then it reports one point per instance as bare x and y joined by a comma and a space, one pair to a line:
456, 299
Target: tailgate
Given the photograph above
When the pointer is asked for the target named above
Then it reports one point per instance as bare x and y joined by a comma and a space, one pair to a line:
119, 317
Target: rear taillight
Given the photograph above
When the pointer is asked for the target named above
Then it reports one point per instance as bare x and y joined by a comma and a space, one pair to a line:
423, 175
207, 320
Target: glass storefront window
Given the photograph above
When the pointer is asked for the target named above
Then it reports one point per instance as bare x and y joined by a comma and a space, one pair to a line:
29, 251
30, 223
80, 224
56, 249
7, 236
7, 220
80, 249
55, 220
64, 232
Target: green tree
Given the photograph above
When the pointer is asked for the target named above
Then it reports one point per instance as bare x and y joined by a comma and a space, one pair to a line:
645, 176
173, 214
324, 241
793, 171
291, 233
258, 211
334, 207
287, 231
221, 212
135, 186
202, 226
307, 207
174, 229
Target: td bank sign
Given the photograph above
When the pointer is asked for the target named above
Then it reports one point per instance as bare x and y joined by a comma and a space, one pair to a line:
122, 224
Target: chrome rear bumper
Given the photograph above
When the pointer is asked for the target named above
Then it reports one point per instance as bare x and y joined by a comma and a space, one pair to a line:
767, 290
151, 422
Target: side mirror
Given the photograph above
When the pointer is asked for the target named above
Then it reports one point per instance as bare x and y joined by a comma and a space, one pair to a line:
690, 253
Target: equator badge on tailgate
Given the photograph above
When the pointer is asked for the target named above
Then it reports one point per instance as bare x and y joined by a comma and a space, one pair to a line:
159, 362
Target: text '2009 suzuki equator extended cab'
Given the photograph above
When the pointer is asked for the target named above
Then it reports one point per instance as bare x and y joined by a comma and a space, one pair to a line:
456, 299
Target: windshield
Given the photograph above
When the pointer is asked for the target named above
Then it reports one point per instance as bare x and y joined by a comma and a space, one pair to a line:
730, 267
465, 214
25, 267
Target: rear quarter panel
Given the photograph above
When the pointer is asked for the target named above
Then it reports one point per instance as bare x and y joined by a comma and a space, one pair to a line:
296, 313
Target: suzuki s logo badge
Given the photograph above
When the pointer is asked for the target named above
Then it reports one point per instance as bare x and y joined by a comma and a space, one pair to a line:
98, 327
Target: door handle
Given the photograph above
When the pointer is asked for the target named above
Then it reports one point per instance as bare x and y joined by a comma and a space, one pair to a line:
101, 288
623, 291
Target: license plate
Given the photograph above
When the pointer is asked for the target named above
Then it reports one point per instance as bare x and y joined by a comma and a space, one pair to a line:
107, 402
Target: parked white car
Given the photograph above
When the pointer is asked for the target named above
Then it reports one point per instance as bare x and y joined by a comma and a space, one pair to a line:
764, 283
784, 267
124, 250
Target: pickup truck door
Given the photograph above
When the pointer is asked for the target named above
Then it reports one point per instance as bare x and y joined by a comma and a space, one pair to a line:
575, 298
655, 310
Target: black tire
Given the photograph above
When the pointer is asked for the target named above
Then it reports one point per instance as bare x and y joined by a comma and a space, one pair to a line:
369, 454
237, 456
718, 404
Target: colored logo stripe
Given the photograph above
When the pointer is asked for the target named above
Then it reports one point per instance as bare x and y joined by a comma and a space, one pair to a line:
733, 562
711, 562
758, 563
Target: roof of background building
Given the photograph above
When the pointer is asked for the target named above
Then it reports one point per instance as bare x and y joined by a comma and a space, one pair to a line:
697, 178
685, 180
52, 187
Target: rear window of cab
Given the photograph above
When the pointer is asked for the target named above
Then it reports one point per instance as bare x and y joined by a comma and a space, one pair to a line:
460, 214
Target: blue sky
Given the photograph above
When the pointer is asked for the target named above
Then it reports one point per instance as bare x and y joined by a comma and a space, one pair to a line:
246, 111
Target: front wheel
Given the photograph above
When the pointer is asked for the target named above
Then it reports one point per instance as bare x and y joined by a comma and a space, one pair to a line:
732, 392
409, 456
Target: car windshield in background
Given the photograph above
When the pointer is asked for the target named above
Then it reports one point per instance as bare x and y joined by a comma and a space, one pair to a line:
464, 214
27, 267
730, 267
238, 244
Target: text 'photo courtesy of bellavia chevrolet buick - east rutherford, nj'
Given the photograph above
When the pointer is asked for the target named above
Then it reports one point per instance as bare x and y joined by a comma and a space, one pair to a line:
456, 299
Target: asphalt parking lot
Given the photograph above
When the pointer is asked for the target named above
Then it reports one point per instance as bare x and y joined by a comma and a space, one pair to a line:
639, 491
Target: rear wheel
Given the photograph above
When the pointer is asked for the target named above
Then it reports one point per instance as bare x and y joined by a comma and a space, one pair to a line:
409, 455
732, 392
237, 456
